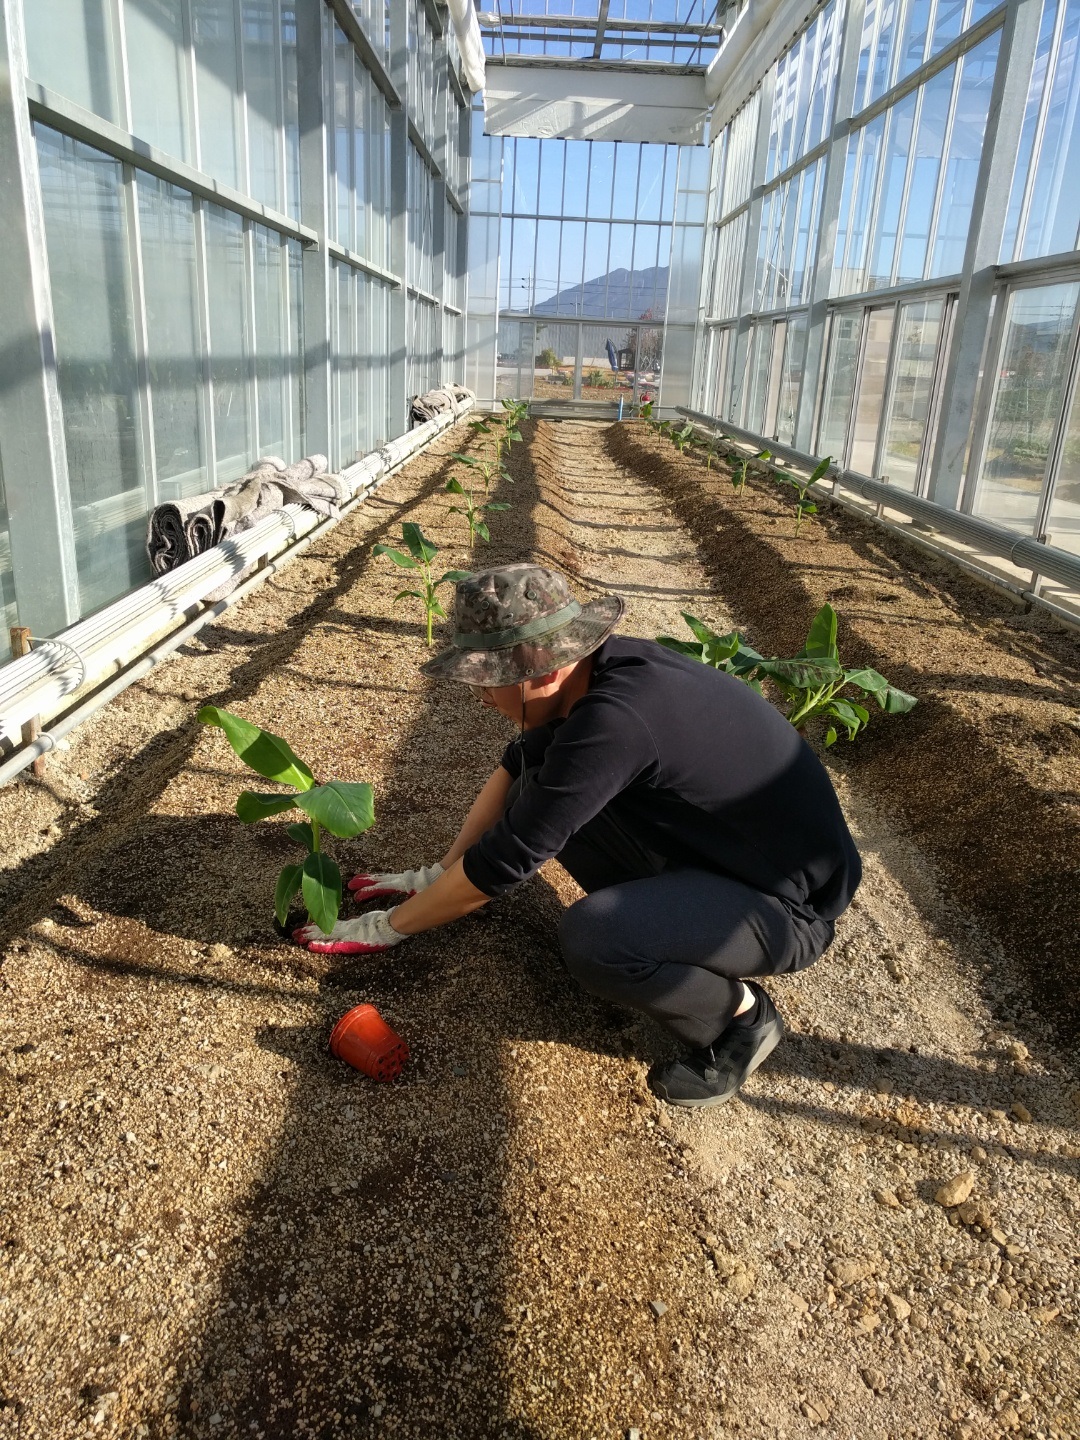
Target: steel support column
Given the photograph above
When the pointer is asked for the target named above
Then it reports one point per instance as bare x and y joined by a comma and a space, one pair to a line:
31, 422
315, 272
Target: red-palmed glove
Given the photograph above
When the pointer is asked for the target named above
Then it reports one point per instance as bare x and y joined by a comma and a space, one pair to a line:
394, 882
366, 936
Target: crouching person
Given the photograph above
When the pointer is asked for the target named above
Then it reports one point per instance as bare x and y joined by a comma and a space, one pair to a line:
703, 829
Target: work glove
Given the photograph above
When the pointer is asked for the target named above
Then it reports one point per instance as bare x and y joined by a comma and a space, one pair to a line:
404, 882
366, 936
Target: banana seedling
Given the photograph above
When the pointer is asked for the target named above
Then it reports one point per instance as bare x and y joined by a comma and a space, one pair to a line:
684, 439
811, 682
339, 808
488, 470
741, 464
801, 485
421, 554
473, 513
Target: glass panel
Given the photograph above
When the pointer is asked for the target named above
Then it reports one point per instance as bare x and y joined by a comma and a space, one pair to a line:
1054, 212
901, 120
551, 176
1063, 521
1030, 388
514, 363
554, 359
757, 378
839, 384
779, 332
218, 84
90, 273
157, 74
738, 376
964, 157
607, 362
601, 178
8, 614
918, 337
360, 148
522, 177
229, 342
342, 216
546, 283
292, 108
167, 224
871, 402
263, 91
650, 183
791, 379
624, 195
296, 350
271, 348
70, 47
576, 182
345, 364
572, 256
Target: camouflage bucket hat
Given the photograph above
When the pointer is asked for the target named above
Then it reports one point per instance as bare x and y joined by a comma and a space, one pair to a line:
518, 621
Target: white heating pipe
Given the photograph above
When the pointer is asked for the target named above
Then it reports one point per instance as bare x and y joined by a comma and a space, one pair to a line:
87, 653
470, 42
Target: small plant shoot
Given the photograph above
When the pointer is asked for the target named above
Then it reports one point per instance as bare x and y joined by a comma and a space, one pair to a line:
811, 682
473, 512
801, 485
488, 470
421, 554
338, 808
684, 439
741, 464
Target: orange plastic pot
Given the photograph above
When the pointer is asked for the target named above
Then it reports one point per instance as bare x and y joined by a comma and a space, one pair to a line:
363, 1040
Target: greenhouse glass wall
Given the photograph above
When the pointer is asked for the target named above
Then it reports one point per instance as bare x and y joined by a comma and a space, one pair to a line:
246, 227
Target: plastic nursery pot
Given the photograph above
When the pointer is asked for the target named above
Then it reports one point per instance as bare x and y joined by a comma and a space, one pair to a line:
363, 1040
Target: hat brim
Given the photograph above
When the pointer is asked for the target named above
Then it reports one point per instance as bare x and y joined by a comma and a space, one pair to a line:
511, 663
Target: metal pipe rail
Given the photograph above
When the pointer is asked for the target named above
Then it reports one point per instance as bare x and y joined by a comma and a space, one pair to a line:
85, 655
1020, 550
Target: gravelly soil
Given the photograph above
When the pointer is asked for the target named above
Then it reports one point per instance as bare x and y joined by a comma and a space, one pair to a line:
208, 1227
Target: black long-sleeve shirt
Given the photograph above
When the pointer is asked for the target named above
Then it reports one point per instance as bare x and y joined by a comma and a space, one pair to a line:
694, 762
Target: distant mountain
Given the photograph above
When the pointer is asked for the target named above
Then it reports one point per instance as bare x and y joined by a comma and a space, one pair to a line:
621, 294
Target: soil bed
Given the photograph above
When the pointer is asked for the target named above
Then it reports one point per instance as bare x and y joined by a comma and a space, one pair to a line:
209, 1227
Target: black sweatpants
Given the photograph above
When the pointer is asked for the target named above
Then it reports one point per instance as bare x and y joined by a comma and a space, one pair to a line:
672, 942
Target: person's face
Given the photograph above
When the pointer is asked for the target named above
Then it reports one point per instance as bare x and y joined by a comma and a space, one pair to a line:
540, 695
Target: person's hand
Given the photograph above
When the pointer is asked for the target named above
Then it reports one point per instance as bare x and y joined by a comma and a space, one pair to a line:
404, 882
366, 936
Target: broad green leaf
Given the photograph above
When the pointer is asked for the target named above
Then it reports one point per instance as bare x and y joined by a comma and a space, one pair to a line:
744, 661
821, 638
454, 575
455, 487
302, 833
830, 735
408, 595
288, 882
497, 505
868, 680
405, 561
436, 608
267, 754
321, 884
897, 702
251, 806
417, 543
700, 630
466, 459
763, 455
801, 673
820, 470
807, 507
343, 808
483, 531
514, 435
681, 647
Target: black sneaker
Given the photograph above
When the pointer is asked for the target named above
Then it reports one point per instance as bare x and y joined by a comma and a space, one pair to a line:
714, 1074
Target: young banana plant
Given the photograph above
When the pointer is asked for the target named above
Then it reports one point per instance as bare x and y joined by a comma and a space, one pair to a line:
741, 465
339, 808
801, 485
474, 513
421, 554
811, 682
488, 470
